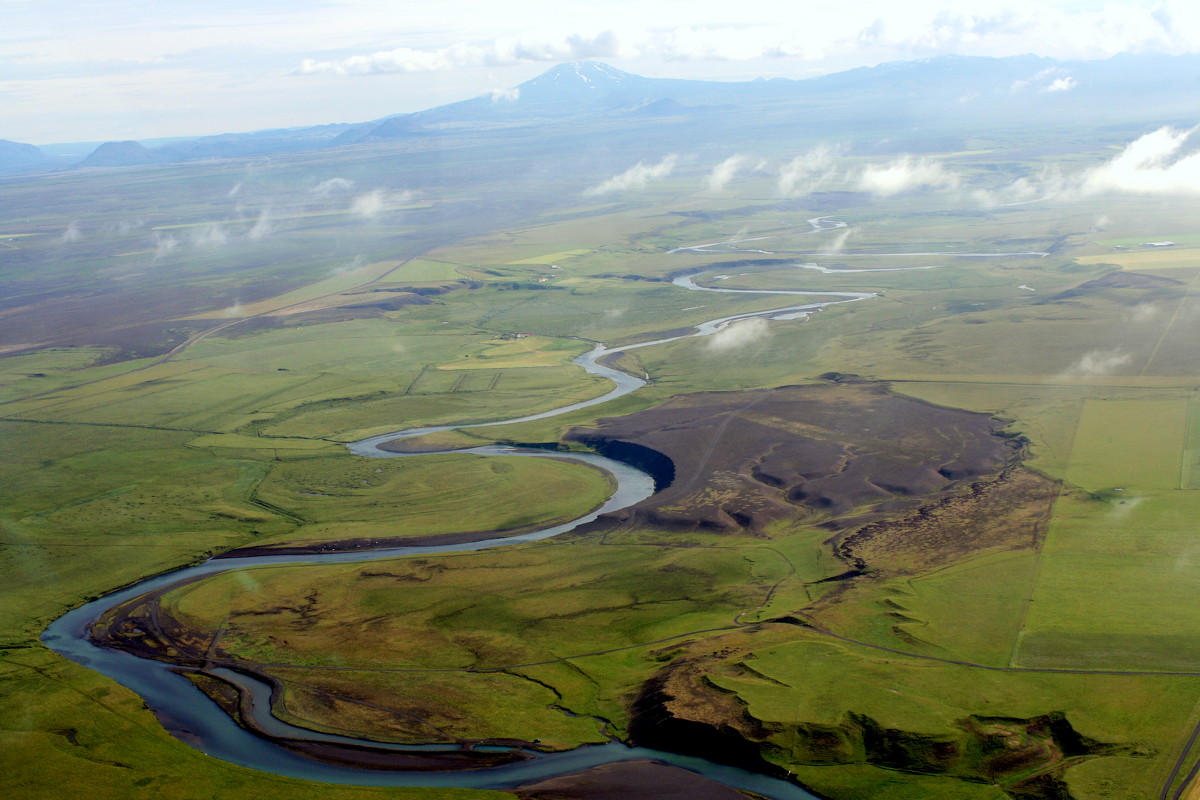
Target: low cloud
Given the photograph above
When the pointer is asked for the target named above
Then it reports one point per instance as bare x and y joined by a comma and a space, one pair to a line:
906, 174
505, 95
164, 245
806, 173
1061, 85
208, 236
723, 173
332, 186
72, 234
1144, 312
233, 192
373, 203
738, 334
839, 242
1166, 161
499, 53
1097, 363
356, 263
636, 177
1052, 79
262, 226
1046, 184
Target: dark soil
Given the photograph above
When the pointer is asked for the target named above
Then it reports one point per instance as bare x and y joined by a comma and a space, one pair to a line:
645, 780
745, 459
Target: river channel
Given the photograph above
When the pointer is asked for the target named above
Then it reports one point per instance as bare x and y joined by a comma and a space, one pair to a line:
193, 718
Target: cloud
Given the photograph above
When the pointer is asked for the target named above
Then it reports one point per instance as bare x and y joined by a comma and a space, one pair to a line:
332, 186
1047, 184
164, 245
806, 173
839, 241
636, 177
504, 95
1162, 162
1144, 312
723, 173
208, 236
374, 202
71, 234
233, 192
497, 53
906, 174
262, 226
738, 334
1097, 363
1051, 79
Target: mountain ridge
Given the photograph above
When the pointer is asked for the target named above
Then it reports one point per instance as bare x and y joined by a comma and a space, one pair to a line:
1016, 90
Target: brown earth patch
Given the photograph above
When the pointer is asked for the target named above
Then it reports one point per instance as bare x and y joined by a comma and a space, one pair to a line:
651, 780
742, 460
1005, 512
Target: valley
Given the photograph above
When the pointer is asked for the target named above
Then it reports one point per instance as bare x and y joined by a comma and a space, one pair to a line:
902, 503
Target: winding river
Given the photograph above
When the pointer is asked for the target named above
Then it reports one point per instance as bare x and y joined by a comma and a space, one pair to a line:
196, 720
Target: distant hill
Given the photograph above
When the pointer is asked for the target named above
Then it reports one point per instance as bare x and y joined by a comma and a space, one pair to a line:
16, 156
119, 154
896, 103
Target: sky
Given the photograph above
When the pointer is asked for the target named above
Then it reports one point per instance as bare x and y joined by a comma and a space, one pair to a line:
85, 71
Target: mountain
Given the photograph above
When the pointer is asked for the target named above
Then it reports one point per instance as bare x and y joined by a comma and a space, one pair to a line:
896, 102
578, 83
119, 154
16, 156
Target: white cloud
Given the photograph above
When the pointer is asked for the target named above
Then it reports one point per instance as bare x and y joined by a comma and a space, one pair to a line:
332, 186
1047, 184
374, 202
806, 173
723, 173
262, 227
496, 53
1162, 162
1061, 84
71, 234
233, 192
738, 334
636, 177
504, 95
1097, 363
164, 245
839, 242
208, 236
906, 174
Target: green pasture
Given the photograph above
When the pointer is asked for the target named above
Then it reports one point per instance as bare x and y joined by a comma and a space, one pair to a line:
797, 683
1114, 586
488, 610
467, 705
342, 497
1130, 445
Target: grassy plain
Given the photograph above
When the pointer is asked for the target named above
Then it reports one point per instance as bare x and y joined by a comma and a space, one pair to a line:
125, 468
